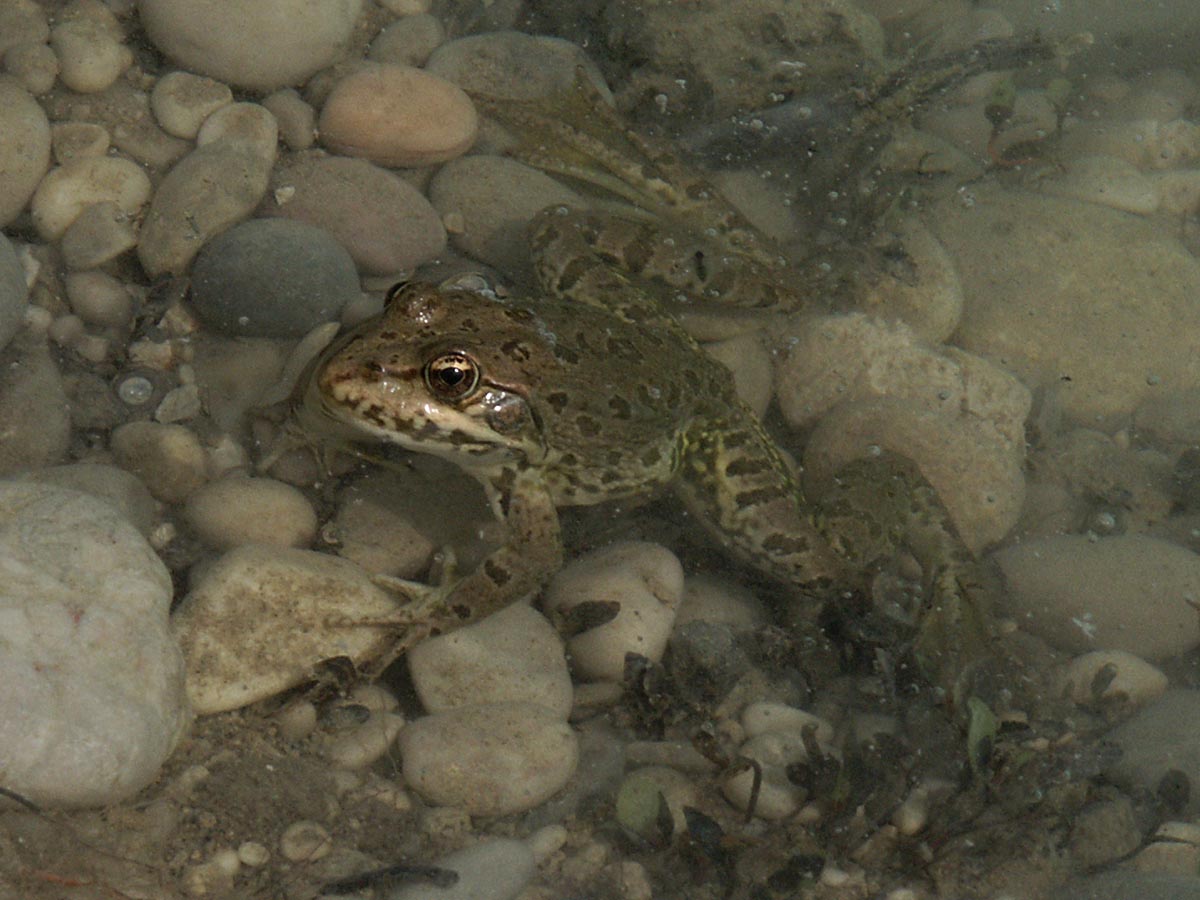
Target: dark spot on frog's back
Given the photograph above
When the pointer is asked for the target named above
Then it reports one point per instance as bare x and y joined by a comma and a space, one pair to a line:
747, 466
587, 426
623, 348
619, 407
558, 401
518, 351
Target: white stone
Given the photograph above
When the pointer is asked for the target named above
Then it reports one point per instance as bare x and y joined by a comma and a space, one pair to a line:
167, 458
267, 44
708, 598
493, 869
93, 700
646, 580
1130, 593
305, 842
237, 510
513, 655
89, 60
763, 716
261, 618
65, 191
360, 746
1125, 677
491, 760
250, 124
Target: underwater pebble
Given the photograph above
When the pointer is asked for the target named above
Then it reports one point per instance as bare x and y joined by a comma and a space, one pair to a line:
100, 233
512, 655
13, 292
208, 190
33, 65
398, 116
305, 841
296, 119
275, 43
641, 794
408, 41
763, 716
25, 150
707, 598
252, 853
272, 278
167, 458
87, 41
99, 299
514, 65
21, 22
73, 140
493, 199
237, 510
181, 101
1157, 739
385, 223
373, 533
490, 760
1127, 592
493, 869
94, 701
248, 124
748, 360
124, 491
1108, 181
1111, 674
1174, 847
64, 193
260, 618
33, 405
360, 746
645, 580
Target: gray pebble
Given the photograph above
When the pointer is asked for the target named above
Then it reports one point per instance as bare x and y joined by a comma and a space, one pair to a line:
272, 278
13, 292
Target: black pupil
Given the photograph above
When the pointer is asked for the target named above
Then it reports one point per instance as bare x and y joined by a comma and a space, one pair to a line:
451, 376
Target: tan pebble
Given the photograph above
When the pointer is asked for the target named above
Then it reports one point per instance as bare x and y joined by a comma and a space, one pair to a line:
408, 41
182, 101
35, 65
25, 151
305, 841
398, 116
66, 191
237, 510
297, 119
748, 360
297, 720
75, 140
94, 348
88, 63
359, 747
99, 299
102, 232
168, 458
1111, 674
762, 716
250, 124
374, 697
252, 853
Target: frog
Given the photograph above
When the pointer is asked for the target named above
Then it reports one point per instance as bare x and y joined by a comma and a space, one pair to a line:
588, 389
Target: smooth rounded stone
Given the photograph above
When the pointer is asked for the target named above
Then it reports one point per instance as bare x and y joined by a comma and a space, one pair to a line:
761, 717
22, 22
1108, 181
748, 360
514, 65
25, 150
274, 43
13, 292
182, 101
33, 406
1126, 593
272, 278
778, 797
1178, 191
261, 618
237, 510
408, 41
710, 599
74, 140
99, 299
169, 459
235, 372
491, 200
93, 700
250, 124
208, 190
90, 59
642, 793
116, 486
644, 580
1170, 417
385, 223
67, 190
932, 304
1174, 848
305, 842
1111, 675
35, 66
99, 234
362, 745
979, 479
493, 869
1119, 884
398, 116
490, 760
514, 655
1078, 339
373, 531
1160, 738
833, 360
297, 120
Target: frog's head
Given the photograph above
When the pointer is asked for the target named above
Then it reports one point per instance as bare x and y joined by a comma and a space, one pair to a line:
445, 372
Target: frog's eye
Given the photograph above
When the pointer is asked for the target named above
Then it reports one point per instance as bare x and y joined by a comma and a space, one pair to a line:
452, 375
